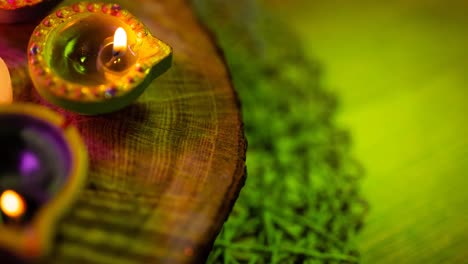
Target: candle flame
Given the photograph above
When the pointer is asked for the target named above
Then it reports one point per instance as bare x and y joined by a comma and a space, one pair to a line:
120, 42
6, 92
12, 204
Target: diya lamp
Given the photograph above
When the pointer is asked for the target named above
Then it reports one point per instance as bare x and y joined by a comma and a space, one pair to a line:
43, 165
94, 58
15, 11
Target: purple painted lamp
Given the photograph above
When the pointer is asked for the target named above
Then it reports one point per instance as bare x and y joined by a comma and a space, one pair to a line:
42, 168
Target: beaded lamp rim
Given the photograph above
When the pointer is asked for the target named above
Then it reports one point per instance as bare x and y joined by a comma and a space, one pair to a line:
17, 4
49, 84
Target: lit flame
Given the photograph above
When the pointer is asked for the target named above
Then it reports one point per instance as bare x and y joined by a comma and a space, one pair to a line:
12, 204
6, 93
120, 42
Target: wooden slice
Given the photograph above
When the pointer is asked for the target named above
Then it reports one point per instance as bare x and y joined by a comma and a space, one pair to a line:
166, 170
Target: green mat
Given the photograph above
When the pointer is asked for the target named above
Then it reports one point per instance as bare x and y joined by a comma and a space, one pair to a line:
301, 202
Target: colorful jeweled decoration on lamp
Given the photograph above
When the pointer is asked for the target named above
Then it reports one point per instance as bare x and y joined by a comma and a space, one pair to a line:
43, 166
16, 11
94, 58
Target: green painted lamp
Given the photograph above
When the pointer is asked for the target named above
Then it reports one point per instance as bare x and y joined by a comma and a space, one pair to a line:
94, 58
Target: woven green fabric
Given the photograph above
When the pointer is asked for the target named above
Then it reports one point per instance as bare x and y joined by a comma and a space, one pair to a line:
301, 202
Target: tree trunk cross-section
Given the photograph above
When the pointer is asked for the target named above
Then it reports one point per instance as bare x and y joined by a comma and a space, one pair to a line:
165, 171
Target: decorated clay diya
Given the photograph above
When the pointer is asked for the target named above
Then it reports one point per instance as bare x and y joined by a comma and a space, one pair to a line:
43, 165
94, 58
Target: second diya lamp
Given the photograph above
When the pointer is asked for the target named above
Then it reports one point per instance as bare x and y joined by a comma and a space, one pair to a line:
16, 11
94, 58
43, 166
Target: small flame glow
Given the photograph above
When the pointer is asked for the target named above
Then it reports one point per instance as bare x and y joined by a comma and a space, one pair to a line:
12, 204
120, 42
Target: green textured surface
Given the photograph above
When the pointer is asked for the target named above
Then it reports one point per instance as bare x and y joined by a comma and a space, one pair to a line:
398, 70
301, 201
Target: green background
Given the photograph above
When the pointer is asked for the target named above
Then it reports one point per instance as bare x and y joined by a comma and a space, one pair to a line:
398, 73
399, 69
